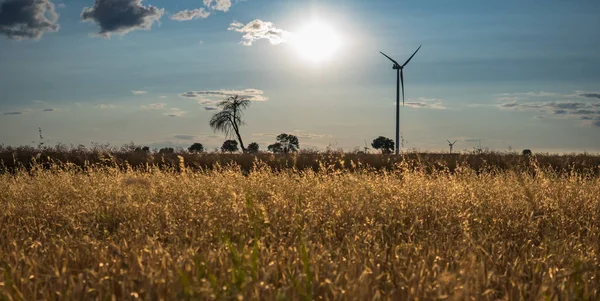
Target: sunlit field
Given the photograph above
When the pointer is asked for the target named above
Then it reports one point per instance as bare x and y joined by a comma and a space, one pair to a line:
407, 232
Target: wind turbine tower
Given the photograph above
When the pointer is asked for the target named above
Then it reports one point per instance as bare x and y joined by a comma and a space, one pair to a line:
399, 80
451, 144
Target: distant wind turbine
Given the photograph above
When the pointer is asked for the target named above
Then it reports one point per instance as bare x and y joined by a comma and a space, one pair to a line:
400, 80
451, 144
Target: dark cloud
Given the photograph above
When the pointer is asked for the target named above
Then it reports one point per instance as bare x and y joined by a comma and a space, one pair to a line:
121, 16
187, 15
590, 95
48, 110
583, 110
596, 123
27, 19
257, 30
211, 108
185, 137
13, 113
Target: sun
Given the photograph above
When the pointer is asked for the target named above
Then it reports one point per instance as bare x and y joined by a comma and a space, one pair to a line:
316, 42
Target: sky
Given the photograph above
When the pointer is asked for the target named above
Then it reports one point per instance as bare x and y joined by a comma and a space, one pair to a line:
508, 75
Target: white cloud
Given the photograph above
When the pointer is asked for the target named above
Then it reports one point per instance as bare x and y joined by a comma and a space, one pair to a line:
154, 106
258, 30
106, 106
175, 112
186, 15
210, 98
426, 103
138, 92
222, 5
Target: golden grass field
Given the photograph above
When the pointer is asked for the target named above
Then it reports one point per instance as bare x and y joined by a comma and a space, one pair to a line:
110, 233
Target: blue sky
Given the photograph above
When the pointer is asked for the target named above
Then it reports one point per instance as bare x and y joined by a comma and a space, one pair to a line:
519, 74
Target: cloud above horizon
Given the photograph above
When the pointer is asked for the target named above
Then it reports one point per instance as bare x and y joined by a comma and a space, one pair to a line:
222, 5
175, 112
154, 106
187, 15
210, 98
426, 103
586, 110
259, 30
138, 92
121, 16
12, 113
27, 19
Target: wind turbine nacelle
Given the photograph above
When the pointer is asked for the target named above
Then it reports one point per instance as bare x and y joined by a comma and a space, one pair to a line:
396, 67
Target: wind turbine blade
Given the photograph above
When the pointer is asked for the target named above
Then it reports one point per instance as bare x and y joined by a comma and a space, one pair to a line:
391, 59
402, 81
448, 141
410, 58
454, 142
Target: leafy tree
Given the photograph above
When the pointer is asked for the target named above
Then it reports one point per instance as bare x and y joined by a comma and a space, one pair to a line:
196, 148
229, 120
144, 149
253, 148
386, 145
289, 143
166, 150
527, 152
275, 148
229, 146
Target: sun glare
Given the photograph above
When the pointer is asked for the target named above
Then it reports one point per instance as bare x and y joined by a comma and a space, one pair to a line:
316, 42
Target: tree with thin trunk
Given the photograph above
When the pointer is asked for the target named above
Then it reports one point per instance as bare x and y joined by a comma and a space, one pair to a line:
229, 120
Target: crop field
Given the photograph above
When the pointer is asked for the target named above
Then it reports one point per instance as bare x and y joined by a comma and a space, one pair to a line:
230, 233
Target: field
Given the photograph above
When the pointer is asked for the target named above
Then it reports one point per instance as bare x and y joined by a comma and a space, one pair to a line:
427, 228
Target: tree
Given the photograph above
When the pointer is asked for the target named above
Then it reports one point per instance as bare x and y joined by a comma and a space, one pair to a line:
166, 150
196, 148
229, 146
253, 148
275, 148
527, 153
229, 120
289, 143
386, 145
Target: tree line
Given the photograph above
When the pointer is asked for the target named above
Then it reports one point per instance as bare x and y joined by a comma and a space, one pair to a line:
230, 119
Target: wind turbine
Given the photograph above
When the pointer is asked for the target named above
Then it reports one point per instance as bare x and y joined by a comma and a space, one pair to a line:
451, 144
399, 80
366, 148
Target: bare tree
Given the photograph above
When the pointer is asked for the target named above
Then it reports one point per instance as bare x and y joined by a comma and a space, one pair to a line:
229, 120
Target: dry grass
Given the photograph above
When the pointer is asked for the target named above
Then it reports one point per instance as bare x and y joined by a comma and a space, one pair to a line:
299, 235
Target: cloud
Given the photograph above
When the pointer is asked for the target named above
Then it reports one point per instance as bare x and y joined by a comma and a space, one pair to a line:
13, 113
154, 106
590, 95
49, 110
522, 95
222, 5
106, 106
185, 137
187, 15
27, 19
210, 98
426, 103
121, 16
583, 110
175, 112
138, 92
258, 30
298, 133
